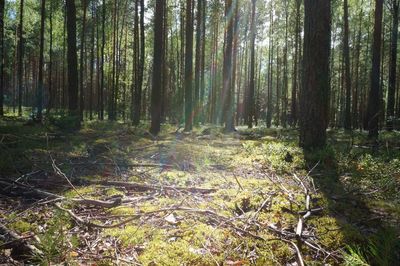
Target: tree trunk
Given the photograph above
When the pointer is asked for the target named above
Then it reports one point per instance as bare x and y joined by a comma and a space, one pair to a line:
157, 68
2, 4
20, 56
81, 63
72, 59
250, 96
373, 111
314, 94
197, 73
103, 44
227, 93
293, 106
39, 99
52, 94
189, 67
392, 66
346, 55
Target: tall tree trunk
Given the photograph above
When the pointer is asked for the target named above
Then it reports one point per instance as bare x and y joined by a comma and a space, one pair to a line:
227, 92
357, 77
285, 71
189, 67
103, 44
92, 57
346, 55
374, 108
197, 73
72, 59
20, 56
82, 59
134, 90
2, 4
234, 60
203, 54
314, 94
157, 68
392, 66
140, 67
295, 82
250, 96
52, 94
39, 98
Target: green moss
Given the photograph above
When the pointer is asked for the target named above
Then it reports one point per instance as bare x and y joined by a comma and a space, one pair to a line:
21, 226
113, 192
334, 234
122, 210
131, 235
86, 190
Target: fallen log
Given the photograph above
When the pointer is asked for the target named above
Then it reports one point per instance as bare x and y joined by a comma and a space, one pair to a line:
55, 198
147, 187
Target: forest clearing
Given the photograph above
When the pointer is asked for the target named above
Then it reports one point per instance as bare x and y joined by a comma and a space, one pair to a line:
199, 132
199, 198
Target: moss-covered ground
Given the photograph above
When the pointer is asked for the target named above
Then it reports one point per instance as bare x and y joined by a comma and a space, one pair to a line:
249, 219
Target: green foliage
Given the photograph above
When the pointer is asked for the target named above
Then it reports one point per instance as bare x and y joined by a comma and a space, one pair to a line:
382, 248
54, 243
354, 257
66, 123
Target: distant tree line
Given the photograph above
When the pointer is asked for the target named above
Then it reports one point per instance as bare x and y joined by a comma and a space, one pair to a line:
289, 63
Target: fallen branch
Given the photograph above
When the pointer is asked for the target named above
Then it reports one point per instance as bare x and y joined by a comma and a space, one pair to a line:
17, 243
56, 198
147, 187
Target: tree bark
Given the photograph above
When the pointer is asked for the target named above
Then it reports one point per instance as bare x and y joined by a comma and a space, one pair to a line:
373, 110
20, 56
157, 68
250, 97
189, 67
314, 94
392, 66
2, 4
72, 59
346, 55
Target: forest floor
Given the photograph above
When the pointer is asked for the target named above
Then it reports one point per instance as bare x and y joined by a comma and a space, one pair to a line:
113, 194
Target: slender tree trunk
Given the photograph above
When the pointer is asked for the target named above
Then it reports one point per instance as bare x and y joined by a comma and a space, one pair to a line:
198, 60
227, 92
72, 59
20, 56
92, 57
374, 108
203, 54
285, 71
52, 94
392, 66
2, 4
189, 67
347, 78
82, 59
234, 83
39, 98
157, 68
250, 96
103, 44
140, 66
295, 82
314, 94
357, 72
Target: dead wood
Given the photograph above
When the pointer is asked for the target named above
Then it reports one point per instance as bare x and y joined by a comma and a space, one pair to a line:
55, 198
147, 187
21, 249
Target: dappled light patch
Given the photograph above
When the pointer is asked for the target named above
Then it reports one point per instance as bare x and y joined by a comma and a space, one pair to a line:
200, 198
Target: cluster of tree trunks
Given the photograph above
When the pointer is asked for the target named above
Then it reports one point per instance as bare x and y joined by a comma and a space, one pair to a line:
191, 79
